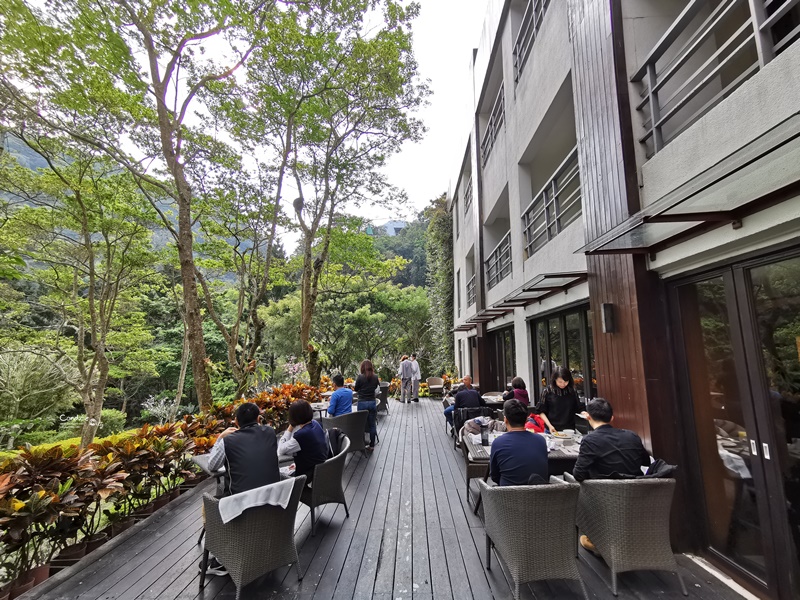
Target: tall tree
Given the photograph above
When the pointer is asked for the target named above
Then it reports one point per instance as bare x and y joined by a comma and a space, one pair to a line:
439, 249
129, 78
85, 229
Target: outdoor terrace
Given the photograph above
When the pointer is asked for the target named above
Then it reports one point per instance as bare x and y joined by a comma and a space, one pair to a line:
411, 534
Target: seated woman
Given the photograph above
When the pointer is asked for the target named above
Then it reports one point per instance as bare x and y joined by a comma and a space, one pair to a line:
518, 392
559, 402
304, 439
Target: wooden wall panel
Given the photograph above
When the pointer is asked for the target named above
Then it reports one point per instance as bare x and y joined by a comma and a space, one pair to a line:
633, 363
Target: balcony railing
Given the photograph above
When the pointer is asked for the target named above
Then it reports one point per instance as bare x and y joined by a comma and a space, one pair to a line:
498, 265
471, 291
468, 196
531, 21
706, 54
497, 120
557, 205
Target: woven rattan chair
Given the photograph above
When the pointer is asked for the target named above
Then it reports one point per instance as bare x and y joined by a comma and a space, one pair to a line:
353, 426
474, 470
462, 415
383, 398
507, 511
446, 404
256, 542
627, 520
326, 487
435, 385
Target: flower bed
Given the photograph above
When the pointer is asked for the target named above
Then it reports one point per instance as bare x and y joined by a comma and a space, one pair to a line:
55, 496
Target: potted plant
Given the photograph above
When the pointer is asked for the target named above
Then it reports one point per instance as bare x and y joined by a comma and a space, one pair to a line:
104, 484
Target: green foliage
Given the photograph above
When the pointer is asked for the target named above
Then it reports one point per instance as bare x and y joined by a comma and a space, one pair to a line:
439, 249
410, 245
111, 422
34, 384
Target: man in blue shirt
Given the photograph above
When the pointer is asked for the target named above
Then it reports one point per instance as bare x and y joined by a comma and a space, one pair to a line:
341, 399
518, 454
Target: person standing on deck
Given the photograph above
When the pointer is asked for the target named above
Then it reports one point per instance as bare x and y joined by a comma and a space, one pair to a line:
405, 373
416, 375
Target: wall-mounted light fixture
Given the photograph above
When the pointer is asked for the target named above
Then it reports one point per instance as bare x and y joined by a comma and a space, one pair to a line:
607, 316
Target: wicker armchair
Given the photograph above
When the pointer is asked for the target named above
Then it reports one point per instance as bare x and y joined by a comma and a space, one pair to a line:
327, 484
627, 520
256, 542
474, 469
507, 510
462, 415
446, 404
353, 426
435, 385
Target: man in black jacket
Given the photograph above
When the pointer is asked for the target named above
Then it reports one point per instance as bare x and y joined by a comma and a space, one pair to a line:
249, 453
607, 452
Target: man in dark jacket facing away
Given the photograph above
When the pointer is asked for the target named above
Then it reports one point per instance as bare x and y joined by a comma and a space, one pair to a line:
248, 451
607, 452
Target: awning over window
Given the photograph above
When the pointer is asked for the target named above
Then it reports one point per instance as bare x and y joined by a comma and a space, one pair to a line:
761, 174
541, 287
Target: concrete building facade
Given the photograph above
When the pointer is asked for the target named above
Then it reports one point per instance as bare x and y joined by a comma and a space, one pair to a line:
627, 205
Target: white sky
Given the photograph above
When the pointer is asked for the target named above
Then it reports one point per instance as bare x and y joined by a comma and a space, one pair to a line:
444, 35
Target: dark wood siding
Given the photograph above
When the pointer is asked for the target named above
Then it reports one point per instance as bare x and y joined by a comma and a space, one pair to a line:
634, 363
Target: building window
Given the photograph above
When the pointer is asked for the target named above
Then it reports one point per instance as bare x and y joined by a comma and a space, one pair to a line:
468, 196
531, 22
458, 291
556, 206
498, 265
564, 340
502, 359
497, 120
455, 218
471, 291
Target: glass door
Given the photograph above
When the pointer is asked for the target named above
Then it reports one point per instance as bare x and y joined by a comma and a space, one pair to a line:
772, 326
739, 332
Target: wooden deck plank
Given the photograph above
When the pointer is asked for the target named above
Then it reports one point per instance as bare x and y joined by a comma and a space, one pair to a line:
411, 534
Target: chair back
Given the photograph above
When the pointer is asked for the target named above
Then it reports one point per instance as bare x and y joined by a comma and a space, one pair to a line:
462, 415
327, 486
434, 381
352, 425
628, 521
507, 512
256, 542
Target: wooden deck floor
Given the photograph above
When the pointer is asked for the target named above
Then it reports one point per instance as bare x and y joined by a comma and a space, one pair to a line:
411, 534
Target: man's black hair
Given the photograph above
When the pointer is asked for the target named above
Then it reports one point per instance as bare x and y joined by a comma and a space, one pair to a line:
515, 413
338, 380
247, 414
600, 410
300, 413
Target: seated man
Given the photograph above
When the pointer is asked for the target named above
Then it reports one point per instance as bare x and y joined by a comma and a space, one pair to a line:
341, 399
304, 439
468, 397
517, 455
607, 452
249, 453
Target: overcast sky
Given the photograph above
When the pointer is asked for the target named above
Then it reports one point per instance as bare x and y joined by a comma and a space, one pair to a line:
444, 35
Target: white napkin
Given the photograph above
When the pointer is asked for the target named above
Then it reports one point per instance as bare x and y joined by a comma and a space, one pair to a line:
276, 494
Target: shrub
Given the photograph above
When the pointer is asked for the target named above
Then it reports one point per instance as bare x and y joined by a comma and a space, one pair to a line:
111, 421
35, 438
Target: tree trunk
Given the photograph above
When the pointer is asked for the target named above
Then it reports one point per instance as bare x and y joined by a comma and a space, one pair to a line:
182, 377
94, 410
191, 299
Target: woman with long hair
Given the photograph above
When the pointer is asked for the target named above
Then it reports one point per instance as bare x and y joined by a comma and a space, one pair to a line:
559, 401
366, 385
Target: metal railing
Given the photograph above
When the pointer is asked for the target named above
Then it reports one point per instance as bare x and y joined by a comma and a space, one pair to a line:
497, 119
706, 54
557, 205
468, 195
531, 22
498, 265
471, 291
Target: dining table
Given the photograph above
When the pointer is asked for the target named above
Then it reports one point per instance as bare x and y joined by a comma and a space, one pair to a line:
561, 454
320, 407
